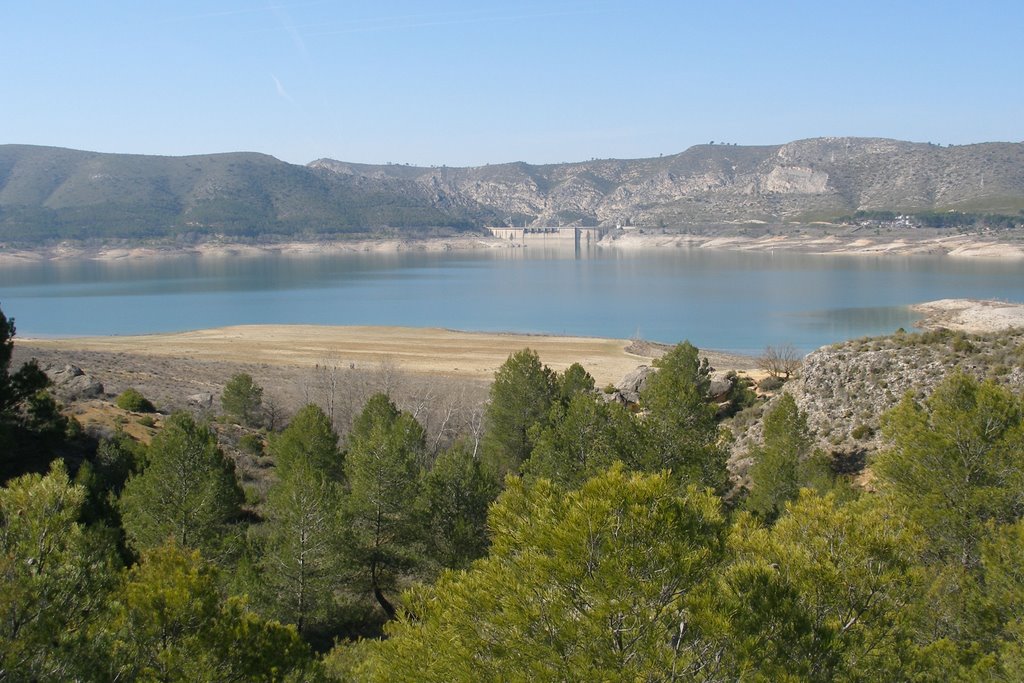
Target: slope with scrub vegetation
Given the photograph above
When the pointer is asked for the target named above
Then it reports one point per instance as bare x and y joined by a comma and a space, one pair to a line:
51, 194
570, 537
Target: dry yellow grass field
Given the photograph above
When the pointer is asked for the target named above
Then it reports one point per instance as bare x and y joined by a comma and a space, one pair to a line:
426, 351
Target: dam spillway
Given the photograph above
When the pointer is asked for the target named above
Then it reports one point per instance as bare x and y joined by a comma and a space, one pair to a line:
578, 236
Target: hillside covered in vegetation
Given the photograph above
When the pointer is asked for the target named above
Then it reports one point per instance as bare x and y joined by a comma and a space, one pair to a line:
570, 534
56, 194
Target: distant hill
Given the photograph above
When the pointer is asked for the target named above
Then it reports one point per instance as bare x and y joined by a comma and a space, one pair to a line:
51, 193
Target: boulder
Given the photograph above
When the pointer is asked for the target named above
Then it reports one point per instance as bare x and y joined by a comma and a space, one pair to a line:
203, 401
630, 386
721, 383
70, 383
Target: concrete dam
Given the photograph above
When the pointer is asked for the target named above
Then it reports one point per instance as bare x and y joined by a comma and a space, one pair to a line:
577, 236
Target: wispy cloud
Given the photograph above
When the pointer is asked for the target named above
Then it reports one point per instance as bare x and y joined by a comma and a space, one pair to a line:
280, 89
280, 12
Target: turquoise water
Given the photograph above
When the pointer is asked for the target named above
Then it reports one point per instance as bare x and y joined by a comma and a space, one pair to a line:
718, 299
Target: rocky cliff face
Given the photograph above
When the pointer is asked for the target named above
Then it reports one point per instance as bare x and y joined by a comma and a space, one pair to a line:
821, 177
844, 389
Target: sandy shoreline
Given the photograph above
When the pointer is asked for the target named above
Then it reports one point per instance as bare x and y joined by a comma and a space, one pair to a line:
423, 351
807, 242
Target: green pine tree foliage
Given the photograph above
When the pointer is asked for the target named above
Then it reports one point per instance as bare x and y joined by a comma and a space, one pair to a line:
785, 462
582, 440
574, 380
454, 500
956, 469
187, 491
300, 541
242, 399
1002, 558
55, 576
520, 397
956, 464
310, 440
682, 434
24, 409
382, 469
170, 623
821, 596
586, 585
10, 391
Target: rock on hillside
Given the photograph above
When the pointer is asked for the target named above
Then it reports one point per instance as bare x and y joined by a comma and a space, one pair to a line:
70, 383
845, 388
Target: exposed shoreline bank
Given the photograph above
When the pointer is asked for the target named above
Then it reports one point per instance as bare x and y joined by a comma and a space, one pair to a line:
421, 351
907, 243
970, 315
67, 251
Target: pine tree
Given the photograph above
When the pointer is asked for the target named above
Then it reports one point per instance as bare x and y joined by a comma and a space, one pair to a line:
170, 623
956, 465
454, 499
574, 380
681, 431
823, 595
521, 396
242, 399
581, 440
187, 492
21, 392
55, 575
382, 469
300, 562
778, 465
588, 585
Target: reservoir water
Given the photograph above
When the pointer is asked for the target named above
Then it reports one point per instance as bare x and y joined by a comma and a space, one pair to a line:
728, 300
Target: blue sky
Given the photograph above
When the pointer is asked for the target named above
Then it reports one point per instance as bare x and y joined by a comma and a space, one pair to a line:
465, 83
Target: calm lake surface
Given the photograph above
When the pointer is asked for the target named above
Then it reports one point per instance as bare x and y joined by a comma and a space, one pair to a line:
726, 300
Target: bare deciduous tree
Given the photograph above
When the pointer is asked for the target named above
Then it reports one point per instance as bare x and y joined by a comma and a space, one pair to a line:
388, 375
780, 361
273, 413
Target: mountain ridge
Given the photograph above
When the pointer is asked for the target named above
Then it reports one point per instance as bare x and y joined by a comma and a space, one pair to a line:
49, 193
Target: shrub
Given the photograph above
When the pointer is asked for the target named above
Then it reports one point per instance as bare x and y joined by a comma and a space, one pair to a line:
770, 383
962, 344
861, 432
251, 444
999, 370
146, 421
740, 394
133, 401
